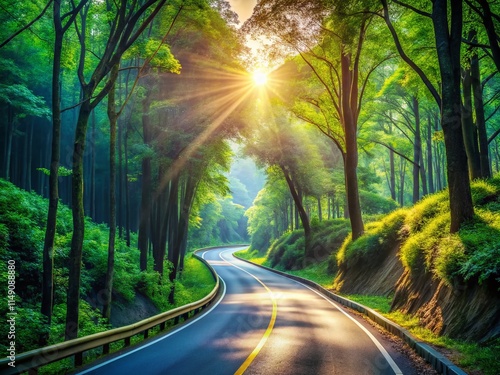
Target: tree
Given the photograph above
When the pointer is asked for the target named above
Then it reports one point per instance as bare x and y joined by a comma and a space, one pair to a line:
279, 142
48, 246
329, 38
127, 22
448, 38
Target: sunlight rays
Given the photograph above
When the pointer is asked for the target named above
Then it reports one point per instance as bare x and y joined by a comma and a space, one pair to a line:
211, 97
259, 78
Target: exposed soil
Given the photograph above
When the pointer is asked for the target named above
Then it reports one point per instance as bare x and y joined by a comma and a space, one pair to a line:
464, 310
376, 277
124, 313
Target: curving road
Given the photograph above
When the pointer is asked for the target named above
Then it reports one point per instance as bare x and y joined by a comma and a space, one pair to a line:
266, 324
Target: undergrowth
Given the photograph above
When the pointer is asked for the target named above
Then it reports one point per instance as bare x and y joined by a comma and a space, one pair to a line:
22, 229
426, 243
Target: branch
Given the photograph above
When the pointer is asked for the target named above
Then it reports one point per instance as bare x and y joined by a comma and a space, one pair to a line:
493, 136
395, 151
487, 79
475, 44
365, 81
27, 26
492, 114
416, 10
148, 60
405, 57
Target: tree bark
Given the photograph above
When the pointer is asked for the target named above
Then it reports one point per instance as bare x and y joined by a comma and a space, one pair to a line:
50, 230
430, 173
113, 118
448, 43
392, 177
480, 117
299, 207
349, 111
417, 151
469, 130
75, 256
146, 188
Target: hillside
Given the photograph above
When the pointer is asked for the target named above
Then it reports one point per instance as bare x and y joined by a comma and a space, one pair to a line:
136, 294
449, 283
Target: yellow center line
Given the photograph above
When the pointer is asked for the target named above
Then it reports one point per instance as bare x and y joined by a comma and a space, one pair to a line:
270, 326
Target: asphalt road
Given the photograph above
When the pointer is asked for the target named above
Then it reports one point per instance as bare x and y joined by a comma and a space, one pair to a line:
263, 324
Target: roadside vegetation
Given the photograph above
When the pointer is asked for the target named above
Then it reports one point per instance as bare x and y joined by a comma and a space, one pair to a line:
422, 232
22, 227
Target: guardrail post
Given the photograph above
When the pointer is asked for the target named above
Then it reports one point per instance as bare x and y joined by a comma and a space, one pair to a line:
78, 359
162, 326
105, 349
127, 341
146, 334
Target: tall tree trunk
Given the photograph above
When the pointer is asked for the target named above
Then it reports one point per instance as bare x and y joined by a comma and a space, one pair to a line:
480, 118
92, 169
50, 231
146, 188
299, 207
469, 130
127, 188
120, 180
430, 173
402, 174
75, 256
10, 135
448, 43
349, 110
392, 177
417, 151
180, 246
173, 221
320, 211
113, 118
30, 158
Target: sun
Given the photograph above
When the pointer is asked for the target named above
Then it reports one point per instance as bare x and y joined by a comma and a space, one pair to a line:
259, 78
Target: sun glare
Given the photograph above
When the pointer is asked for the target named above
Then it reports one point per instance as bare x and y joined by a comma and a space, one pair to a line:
260, 78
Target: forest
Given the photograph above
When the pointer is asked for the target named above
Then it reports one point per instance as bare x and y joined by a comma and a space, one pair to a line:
134, 132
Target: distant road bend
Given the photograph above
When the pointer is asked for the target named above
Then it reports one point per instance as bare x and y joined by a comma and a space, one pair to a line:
263, 324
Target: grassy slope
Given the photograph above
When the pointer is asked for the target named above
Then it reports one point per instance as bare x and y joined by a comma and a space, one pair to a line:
473, 254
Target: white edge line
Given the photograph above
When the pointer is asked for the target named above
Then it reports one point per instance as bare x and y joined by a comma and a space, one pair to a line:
160, 338
377, 343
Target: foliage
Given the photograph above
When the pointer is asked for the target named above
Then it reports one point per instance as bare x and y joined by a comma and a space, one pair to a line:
287, 251
379, 238
373, 203
62, 171
22, 222
195, 282
472, 254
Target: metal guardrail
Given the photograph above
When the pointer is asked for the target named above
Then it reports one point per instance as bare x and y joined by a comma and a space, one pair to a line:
438, 361
32, 360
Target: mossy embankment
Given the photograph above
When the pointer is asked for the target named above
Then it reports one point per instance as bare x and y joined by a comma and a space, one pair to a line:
448, 283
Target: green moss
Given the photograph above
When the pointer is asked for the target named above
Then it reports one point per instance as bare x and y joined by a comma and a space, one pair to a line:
380, 236
419, 215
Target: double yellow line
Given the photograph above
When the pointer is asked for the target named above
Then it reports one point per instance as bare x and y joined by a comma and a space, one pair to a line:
270, 326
